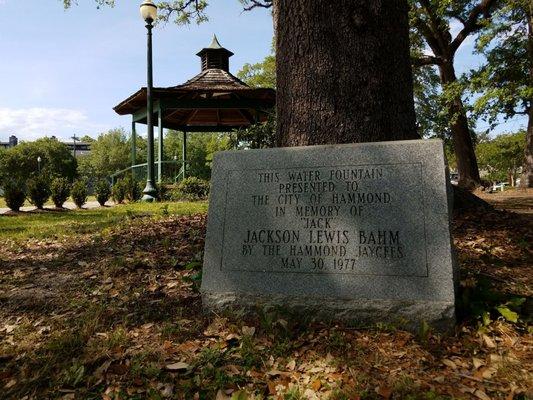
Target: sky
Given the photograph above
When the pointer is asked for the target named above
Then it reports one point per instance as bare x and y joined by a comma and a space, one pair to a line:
62, 71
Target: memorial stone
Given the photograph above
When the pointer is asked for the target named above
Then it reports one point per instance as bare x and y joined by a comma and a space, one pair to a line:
355, 232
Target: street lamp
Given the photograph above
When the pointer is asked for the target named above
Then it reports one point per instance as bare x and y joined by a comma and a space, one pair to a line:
74, 138
149, 14
39, 159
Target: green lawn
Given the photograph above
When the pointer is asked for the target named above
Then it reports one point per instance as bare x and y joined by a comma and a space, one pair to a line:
62, 223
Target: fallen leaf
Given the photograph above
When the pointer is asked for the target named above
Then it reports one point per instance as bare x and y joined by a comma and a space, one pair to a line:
384, 391
221, 395
316, 385
291, 365
179, 366
489, 342
477, 362
449, 363
480, 394
10, 384
248, 330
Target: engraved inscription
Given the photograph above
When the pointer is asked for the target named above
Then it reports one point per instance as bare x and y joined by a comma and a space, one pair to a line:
326, 220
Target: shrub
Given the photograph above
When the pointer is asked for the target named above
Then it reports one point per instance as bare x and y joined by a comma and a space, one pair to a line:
118, 192
103, 192
191, 188
163, 192
134, 190
14, 195
38, 191
60, 189
79, 193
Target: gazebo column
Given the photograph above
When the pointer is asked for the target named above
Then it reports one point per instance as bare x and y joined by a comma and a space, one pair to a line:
184, 155
160, 145
133, 144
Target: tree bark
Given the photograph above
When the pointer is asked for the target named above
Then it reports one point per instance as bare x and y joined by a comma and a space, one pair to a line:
526, 180
462, 141
343, 72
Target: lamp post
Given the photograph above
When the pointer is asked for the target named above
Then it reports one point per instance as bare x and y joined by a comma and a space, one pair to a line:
39, 159
175, 167
74, 138
149, 14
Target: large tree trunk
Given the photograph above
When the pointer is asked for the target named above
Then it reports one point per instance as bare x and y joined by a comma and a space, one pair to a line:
343, 72
526, 180
462, 141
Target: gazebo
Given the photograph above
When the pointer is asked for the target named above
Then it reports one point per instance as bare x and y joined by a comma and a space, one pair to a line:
212, 101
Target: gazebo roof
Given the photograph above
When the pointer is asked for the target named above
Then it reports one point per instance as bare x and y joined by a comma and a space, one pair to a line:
213, 100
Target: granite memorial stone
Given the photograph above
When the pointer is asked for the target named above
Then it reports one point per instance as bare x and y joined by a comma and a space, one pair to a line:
356, 232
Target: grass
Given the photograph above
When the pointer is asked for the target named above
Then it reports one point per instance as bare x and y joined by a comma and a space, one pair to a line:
98, 303
65, 223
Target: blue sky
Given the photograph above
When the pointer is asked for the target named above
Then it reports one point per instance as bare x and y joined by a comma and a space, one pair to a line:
63, 71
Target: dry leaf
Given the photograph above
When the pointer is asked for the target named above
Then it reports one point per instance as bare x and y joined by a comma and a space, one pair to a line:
179, 366
316, 385
489, 342
449, 363
291, 365
477, 362
384, 391
222, 396
487, 373
480, 394
11, 383
248, 330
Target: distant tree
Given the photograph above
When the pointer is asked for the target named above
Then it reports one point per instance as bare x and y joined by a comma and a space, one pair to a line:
110, 152
261, 74
200, 150
505, 81
87, 139
431, 21
20, 163
501, 157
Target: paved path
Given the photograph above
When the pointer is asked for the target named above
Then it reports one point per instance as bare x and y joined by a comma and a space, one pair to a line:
70, 205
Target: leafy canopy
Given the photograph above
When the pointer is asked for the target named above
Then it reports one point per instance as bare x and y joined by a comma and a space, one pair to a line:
20, 163
503, 82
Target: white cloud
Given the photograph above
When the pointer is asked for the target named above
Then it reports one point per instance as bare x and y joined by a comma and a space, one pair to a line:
32, 123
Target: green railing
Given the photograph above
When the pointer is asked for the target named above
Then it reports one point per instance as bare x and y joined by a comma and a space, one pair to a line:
171, 171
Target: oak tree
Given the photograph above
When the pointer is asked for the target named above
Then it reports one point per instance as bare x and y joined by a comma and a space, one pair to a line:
505, 82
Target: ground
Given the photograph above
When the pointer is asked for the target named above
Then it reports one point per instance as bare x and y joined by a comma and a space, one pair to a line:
104, 304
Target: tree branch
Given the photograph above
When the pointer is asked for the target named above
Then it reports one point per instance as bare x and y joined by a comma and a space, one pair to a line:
251, 4
472, 24
185, 10
426, 60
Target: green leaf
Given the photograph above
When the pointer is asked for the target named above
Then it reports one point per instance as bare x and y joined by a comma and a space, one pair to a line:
506, 313
516, 302
485, 318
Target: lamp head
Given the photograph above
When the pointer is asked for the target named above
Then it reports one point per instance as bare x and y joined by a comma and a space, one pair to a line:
148, 11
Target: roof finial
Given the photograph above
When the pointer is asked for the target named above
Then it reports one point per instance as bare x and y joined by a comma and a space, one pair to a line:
214, 43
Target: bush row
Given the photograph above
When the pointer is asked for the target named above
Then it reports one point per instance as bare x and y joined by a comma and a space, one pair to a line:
39, 189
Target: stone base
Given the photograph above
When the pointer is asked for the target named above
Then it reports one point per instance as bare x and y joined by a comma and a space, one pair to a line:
405, 314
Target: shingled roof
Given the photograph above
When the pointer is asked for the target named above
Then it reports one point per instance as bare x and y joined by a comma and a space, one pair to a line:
213, 79
213, 98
